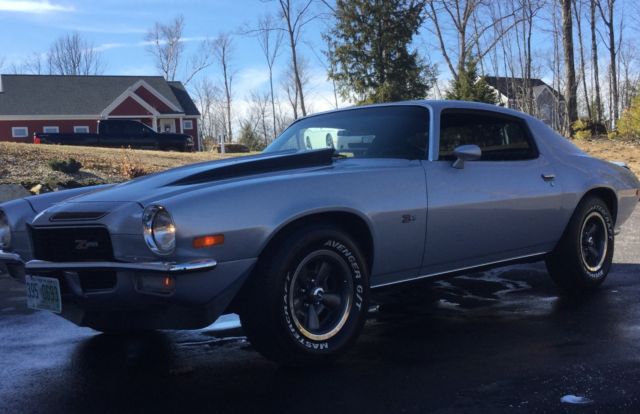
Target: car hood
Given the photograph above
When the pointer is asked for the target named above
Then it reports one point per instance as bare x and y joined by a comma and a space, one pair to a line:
195, 176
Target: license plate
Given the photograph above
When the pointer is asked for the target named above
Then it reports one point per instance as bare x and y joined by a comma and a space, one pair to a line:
43, 293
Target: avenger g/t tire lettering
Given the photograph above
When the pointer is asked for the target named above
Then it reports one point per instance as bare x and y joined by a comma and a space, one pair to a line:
307, 303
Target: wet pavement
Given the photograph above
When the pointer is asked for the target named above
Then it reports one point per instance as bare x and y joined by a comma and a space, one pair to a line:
497, 341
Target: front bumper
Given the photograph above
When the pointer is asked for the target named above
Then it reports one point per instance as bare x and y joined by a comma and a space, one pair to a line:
203, 290
37, 266
161, 267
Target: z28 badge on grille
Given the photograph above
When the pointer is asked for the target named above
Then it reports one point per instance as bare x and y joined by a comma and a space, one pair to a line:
85, 244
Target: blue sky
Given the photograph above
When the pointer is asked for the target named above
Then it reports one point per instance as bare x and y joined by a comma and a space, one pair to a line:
118, 27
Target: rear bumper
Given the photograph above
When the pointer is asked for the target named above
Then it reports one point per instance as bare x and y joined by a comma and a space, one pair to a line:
201, 292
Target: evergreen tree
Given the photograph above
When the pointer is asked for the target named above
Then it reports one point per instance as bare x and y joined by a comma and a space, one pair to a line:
249, 137
369, 51
471, 87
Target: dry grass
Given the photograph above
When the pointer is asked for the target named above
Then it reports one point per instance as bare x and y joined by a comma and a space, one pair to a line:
28, 163
614, 150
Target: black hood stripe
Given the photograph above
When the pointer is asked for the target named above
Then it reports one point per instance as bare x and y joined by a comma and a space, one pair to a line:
287, 161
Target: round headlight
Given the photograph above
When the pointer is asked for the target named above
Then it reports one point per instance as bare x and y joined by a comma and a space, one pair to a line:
5, 231
159, 230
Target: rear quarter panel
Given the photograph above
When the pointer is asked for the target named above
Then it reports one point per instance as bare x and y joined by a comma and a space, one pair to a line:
578, 173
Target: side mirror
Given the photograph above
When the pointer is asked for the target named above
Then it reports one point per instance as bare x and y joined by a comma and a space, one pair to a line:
466, 153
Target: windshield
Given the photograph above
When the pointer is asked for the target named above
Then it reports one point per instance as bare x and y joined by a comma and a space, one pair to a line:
375, 132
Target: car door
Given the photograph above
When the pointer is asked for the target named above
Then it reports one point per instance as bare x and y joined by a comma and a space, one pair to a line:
503, 206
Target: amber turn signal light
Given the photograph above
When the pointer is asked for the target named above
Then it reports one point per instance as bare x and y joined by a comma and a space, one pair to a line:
208, 241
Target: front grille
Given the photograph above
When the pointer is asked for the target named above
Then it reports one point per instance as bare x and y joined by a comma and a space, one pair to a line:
97, 280
71, 244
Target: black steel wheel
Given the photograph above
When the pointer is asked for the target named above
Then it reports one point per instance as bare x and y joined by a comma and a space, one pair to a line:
307, 301
582, 258
319, 294
594, 241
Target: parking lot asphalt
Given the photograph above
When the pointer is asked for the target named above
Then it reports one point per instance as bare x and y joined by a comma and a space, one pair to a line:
497, 341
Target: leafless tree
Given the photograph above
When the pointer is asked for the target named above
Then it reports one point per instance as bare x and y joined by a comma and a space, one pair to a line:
211, 103
594, 60
526, 12
270, 39
569, 68
296, 14
577, 14
555, 64
71, 55
629, 78
222, 52
165, 44
607, 13
198, 62
258, 115
290, 85
463, 16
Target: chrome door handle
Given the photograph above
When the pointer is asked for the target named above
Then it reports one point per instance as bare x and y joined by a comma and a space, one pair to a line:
548, 177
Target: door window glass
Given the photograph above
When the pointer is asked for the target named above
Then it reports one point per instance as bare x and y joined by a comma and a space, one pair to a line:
501, 138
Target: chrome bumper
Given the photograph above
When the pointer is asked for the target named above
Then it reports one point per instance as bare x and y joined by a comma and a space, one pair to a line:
161, 267
10, 258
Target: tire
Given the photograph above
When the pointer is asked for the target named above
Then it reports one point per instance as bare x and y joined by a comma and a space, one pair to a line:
307, 302
582, 259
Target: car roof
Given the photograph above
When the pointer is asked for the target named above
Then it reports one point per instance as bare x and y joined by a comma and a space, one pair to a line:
433, 104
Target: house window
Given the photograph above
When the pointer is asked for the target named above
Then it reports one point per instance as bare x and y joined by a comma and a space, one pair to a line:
81, 129
50, 130
187, 124
19, 132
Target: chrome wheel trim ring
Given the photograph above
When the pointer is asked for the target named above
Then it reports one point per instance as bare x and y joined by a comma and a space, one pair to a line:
603, 250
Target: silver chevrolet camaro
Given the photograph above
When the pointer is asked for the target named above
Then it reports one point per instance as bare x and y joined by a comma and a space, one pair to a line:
294, 239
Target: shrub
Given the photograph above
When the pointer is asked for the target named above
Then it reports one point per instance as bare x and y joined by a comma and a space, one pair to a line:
130, 164
70, 166
629, 123
581, 129
586, 128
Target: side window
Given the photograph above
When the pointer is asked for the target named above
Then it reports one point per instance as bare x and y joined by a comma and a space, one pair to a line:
375, 132
501, 138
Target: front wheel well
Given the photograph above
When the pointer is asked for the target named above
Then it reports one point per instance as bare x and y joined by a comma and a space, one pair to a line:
353, 224
608, 196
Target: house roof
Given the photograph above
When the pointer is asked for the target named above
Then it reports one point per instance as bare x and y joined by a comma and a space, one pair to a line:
510, 87
79, 95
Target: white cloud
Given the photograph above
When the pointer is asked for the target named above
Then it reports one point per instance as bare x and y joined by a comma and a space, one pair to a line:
142, 43
137, 70
248, 80
104, 29
33, 7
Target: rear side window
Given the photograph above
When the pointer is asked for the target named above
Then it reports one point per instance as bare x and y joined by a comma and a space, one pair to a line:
501, 138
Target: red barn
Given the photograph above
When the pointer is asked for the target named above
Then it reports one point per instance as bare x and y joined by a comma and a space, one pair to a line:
66, 104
